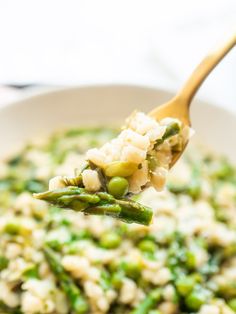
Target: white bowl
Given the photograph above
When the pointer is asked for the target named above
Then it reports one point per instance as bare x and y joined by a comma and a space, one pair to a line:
47, 111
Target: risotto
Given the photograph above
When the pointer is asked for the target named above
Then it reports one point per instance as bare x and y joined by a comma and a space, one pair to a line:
57, 261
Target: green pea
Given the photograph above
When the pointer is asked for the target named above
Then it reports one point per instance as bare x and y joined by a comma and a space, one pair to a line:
190, 259
196, 299
117, 279
12, 228
80, 306
232, 304
132, 269
110, 240
147, 246
185, 285
118, 187
194, 189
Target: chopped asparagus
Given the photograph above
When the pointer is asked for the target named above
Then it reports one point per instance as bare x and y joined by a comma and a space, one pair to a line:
148, 303
99, 203
171, 130
77, 301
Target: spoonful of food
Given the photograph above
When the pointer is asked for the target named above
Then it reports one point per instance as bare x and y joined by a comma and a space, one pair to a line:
139, 157
178, 107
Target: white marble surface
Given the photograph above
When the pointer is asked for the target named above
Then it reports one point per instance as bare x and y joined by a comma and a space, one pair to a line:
148, 42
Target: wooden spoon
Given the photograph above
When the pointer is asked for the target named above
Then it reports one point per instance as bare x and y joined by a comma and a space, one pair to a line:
178, 107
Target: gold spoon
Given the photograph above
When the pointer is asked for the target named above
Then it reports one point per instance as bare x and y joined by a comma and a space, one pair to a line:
178, 107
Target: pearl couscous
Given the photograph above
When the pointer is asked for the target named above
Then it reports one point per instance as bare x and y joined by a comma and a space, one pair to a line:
58, 261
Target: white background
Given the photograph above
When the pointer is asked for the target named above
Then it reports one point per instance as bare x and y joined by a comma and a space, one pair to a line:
149, 42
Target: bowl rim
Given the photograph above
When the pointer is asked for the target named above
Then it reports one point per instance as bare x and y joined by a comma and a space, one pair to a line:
44, 91
33, 97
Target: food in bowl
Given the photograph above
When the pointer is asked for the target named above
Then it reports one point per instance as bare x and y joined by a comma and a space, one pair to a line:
54, 260
138, 157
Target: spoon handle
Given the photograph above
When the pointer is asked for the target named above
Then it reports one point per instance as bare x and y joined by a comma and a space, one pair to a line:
204, 69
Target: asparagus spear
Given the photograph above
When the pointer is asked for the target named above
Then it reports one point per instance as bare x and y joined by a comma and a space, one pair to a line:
5, 309
100, 203
77, 301
148, 303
